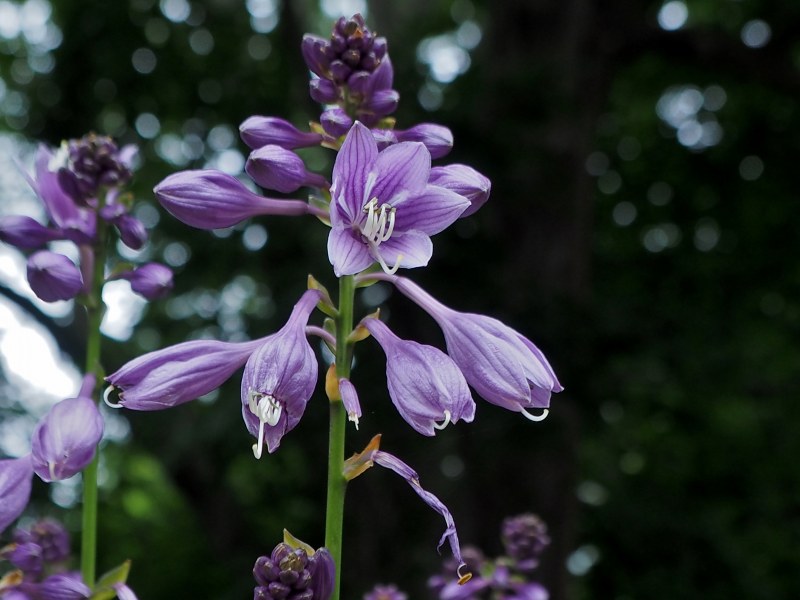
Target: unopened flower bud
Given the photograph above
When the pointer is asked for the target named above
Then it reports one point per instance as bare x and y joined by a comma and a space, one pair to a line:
277, 168
25, 233
335, 122
438, 139
261, 131
151, 280
53, 276
464, 181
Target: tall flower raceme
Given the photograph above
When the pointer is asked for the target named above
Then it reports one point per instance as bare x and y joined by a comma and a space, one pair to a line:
383, 201
82, 186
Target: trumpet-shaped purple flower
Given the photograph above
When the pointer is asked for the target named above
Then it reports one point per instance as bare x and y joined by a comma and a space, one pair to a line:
213, 200
350, 400
276, 168
53, 276
501, 364
15, 488
151, 280
279, 378
257, 131
65, 439
51, 537
464, 181
424, 383
382, 208
177, 374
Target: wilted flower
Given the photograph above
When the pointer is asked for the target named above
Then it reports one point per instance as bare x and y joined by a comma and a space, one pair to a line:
279, 379
382, 208
424, 383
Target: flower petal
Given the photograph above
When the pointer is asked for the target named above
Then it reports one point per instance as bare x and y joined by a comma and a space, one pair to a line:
431, 212
400, 171
347, 252
15, 488
353, 163
411, 249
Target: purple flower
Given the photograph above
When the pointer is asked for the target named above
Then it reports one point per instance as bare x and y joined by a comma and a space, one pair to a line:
131, 231
350, 400
501, 364
382, 207
26, 556
259, 131
64, 586
438, 139
53, 276
124, 592
15, 488
524, 538
151, 280
26, 233
177, 374
385, 592
279, 378
465, 181
335, 121
277, 168
65, 439
91, 164
212, 200
50, 535
296, 573
323, 90
424, 383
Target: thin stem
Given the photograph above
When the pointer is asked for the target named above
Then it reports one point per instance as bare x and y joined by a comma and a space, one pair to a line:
336, 481
94, 312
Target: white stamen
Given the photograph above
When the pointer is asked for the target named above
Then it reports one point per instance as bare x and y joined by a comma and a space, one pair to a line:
106, 395
444, 423
535, 418
379, 224
52, 467
268, 410
353, 418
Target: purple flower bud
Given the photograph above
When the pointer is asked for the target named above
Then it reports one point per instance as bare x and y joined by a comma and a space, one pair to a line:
50, 535
15, 488
65, 439
313, 49
151, 280
424, 383
382, 77
465, 181
502, 365
177, 374
131, 231
279, 379
350, 400
94, 162
384, 137
27, 557
339, 71
380, 104
64, 586
26, 233
323, 91
359, 82
277, 168
438, 139
260, 131
213, 200
294, 573
385, 592
335, 121
53, 276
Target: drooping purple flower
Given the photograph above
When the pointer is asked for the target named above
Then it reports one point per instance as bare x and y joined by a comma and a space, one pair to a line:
211, 199
257, 131
151, 280
65, 439
385, 592
177, 374
53, 276
294, 573
450, 535
502, 365
279, 379
26, 233
276, 168
63, 586
15, 488
424, 383
438, 139
465, 181
50, 535
382, 208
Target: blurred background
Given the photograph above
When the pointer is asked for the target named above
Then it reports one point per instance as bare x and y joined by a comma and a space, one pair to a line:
642, 231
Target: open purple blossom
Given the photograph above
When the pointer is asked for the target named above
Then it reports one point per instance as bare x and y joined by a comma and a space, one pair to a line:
424, 383
502, 365
177, 374
53, 276
279, 379
383, 209
211, 199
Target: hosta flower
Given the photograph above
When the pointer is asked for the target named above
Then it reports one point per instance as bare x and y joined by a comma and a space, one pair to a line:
385, 592
424, 383
464, 181
53, 276
51, 537
438, 139
151, 280
501, 364
294, 574
276, 168
15, 488
382, 208
257, 131
88, 165
63, 586
279, 378
524, 538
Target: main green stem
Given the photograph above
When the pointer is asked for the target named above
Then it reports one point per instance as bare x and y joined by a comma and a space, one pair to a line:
94, 313
336, 481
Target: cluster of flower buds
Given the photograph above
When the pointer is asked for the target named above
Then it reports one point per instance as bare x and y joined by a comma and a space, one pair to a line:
64, 442
80, 188
508, 576
294, 571
39, 556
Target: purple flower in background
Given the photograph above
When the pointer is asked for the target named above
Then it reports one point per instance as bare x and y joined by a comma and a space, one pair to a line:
385, 592
177, 374
15, 488
26, 233
524, 538
51, 537
424, 383
213, 200
88, 165
294, 573
350, 400
502, 365
438, 139
279, 379
382, 208
53, 276
151, 280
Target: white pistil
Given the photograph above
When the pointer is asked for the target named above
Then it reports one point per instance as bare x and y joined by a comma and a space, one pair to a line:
444, 423
268, 410
536, 418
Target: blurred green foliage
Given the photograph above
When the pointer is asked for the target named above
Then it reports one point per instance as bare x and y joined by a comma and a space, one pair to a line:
642, 230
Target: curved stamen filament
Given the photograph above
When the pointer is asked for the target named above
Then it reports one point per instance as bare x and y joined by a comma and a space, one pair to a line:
444, 423
535, 418
268, 410
379, 224
107, 397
